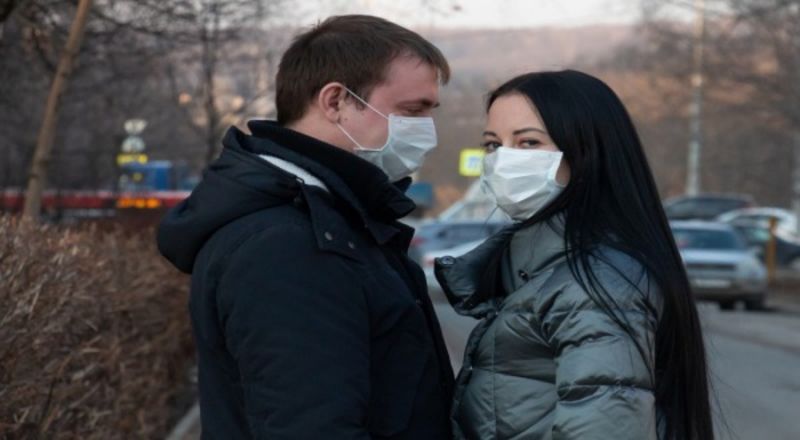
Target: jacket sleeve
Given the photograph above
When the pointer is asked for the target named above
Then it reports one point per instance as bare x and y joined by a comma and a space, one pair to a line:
604, 384
295, 321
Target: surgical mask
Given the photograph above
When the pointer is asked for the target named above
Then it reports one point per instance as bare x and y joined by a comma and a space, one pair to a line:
522, 182
409, 140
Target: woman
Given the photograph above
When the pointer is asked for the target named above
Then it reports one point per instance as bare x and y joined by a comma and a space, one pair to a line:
588, 327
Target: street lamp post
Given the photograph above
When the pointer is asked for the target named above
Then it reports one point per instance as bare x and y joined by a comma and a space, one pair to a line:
796, 181
696, 108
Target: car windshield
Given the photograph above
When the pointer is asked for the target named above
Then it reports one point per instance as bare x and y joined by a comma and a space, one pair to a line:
753, 234
710, 239
759, 220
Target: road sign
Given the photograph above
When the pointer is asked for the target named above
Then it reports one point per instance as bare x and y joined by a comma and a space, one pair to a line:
133, 144
470, 163
124, 159
135, 126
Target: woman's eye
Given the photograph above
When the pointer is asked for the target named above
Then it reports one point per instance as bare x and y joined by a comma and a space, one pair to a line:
530, 143
491, 145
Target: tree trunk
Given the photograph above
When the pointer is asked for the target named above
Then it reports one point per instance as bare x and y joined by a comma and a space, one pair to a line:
212, 117
44, 143
210, 47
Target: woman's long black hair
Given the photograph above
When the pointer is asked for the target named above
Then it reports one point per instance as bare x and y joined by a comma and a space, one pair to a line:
612, 200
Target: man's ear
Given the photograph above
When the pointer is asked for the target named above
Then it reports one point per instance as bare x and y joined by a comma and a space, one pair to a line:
330, 100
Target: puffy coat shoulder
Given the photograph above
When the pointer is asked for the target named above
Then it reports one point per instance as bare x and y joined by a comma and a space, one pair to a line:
615, 275
602, 335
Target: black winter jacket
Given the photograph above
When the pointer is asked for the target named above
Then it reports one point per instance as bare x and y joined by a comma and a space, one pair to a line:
309, 319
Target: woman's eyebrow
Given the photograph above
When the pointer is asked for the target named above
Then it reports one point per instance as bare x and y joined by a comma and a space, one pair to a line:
516, 132
527, 129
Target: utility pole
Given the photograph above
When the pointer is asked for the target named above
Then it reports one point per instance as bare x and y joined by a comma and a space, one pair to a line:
796, 180
794, 9
696, 108
37, 177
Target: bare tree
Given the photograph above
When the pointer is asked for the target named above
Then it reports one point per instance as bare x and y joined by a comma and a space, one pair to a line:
187, 66
226, 29
749, 91
44, 144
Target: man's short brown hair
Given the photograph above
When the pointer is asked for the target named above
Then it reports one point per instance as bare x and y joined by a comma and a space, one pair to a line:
355, 50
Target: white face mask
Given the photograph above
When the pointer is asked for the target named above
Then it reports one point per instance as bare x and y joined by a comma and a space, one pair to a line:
409, 140
522, 182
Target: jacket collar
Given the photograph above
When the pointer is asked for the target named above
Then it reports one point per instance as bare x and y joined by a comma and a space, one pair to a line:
529, 251
460, 277
303, 175
532, 251
362, 188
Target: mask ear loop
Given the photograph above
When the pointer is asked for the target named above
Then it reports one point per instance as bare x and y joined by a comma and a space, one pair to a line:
360, 147
349, 137
364, 102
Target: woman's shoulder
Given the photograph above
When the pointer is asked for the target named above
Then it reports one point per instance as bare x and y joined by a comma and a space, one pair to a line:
620, 275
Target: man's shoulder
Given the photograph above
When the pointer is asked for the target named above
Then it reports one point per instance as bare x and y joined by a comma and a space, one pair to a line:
281, 224
283, 221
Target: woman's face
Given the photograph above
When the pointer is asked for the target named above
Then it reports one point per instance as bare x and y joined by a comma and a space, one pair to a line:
514, 122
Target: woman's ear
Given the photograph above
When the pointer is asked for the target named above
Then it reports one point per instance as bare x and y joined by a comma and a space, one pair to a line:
330, 100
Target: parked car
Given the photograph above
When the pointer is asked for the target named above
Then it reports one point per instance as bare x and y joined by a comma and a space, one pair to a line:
761, 216
787, 248
753, 224
439, 235
719, 264
705, 207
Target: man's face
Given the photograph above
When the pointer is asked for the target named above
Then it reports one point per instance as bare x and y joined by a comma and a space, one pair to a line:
411, 88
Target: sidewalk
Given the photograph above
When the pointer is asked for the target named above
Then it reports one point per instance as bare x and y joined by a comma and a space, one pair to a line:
784, 292
188, 428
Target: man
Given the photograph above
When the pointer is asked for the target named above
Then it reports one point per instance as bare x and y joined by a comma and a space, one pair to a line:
309, 319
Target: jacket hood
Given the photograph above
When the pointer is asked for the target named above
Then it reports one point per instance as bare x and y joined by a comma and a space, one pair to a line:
236, 184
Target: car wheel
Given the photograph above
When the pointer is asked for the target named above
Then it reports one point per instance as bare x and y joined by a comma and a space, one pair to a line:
794, 264
755, 303
726, 305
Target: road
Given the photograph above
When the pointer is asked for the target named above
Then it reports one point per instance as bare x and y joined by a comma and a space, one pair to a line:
754, 363
755, 366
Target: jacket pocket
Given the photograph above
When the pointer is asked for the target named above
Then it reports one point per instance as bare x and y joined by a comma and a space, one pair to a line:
396, 375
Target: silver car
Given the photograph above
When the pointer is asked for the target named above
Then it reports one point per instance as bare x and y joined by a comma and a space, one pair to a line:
719, 264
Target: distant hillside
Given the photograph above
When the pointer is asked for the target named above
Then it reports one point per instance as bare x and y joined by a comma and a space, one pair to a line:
504, 52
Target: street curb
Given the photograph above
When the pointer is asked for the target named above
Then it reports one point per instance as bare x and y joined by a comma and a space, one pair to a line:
187, 422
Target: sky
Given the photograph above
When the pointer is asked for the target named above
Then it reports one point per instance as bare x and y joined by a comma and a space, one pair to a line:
481, 13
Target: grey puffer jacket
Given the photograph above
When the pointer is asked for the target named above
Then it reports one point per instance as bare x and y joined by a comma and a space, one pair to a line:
546, 362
